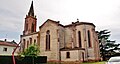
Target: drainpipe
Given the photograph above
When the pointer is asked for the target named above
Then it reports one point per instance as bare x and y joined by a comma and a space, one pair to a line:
13, 58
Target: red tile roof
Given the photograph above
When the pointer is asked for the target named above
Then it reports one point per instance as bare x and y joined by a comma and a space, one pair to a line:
7, 44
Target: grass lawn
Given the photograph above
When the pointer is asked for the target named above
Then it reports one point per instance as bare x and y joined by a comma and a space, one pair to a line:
94, 62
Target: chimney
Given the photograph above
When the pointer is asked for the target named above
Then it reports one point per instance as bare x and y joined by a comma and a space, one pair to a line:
5, 40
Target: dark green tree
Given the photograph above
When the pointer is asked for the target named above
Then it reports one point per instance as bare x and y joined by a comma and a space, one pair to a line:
107, 46
32, 50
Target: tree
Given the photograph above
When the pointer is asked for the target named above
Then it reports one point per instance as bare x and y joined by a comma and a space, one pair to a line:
32, 50
107, 46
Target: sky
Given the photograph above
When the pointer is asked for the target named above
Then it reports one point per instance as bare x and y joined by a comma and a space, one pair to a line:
105, 14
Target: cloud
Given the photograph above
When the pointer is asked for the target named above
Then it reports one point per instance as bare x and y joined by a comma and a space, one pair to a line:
105, 14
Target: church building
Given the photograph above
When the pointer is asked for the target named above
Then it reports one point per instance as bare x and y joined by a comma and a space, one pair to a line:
77, 41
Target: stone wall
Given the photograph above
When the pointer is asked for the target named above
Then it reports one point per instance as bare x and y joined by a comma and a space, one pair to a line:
61, 36
53, 53
91, 53
75, 55
68, 37
26, 44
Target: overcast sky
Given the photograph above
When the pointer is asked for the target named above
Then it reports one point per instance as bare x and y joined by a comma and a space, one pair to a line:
105, 14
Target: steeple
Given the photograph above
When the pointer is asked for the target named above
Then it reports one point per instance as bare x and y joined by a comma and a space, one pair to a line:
31, 11
30, 22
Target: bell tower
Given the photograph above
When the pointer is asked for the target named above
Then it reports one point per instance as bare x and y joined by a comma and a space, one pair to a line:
30, 22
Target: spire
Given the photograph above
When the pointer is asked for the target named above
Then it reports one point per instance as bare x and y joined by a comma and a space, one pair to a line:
31, 11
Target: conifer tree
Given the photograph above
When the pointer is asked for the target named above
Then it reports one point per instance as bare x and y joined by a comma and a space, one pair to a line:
107, 46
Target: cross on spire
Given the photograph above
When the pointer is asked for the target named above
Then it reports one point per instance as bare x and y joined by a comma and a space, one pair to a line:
77, 19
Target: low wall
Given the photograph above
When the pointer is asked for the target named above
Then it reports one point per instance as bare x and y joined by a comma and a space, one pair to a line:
23, 60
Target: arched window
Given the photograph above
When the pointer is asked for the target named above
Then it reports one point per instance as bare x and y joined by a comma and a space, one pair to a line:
89, 39
27, 44
30, 41
79, 39
34, 41
48, 40
32, 27
23, 44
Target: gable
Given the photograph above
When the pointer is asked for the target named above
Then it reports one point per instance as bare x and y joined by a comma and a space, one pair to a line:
49, 24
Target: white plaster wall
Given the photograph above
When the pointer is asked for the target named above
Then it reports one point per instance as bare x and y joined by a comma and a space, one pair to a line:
9, 50
74, 55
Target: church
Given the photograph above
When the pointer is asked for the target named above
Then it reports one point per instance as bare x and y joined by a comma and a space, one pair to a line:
77, 41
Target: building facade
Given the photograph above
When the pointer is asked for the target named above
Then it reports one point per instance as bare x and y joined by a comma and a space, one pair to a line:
6, 48
77, 41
